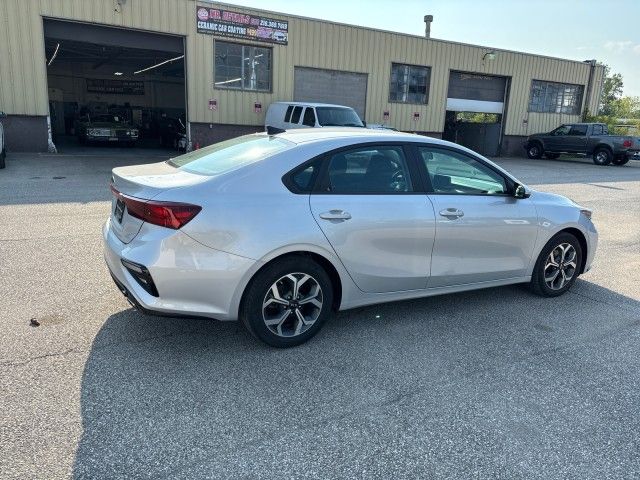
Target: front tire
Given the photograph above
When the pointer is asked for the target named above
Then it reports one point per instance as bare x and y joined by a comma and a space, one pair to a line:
602, 156
558, 266
287, 302
534, 150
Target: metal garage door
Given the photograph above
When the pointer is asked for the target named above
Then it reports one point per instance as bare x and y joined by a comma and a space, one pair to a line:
331, 86
472, 92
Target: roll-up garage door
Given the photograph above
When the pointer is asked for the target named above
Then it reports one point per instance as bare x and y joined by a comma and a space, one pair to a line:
471, 92
331, 86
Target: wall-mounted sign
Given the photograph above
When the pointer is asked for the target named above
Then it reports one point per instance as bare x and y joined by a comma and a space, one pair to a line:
385, 115
416, 116
257, 107
213, 104
117, 87
241, 25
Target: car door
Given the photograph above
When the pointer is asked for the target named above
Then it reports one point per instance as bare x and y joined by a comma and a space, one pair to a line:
483, 233
577, 139
373, 211
555, 141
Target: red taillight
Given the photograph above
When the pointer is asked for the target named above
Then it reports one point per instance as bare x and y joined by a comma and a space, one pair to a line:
627, 143
165, 214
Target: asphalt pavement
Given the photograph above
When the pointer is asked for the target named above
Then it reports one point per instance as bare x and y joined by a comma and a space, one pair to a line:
495, 383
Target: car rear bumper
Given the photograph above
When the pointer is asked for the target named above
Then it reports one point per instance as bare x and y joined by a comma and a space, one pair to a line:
633, 154
191, 280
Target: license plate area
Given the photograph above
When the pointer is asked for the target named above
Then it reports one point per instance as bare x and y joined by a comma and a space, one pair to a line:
118, 211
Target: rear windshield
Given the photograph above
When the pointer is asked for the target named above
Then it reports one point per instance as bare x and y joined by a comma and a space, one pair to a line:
338, 117
231, 154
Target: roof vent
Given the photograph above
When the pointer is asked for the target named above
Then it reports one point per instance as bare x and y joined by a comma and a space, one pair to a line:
427, 25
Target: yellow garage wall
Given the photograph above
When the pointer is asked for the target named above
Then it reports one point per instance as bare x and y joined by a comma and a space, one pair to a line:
312, 43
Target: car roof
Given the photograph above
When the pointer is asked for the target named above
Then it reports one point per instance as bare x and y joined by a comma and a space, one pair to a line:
358, 134
311, 104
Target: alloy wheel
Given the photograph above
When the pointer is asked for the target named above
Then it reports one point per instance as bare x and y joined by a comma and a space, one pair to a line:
533, 151
602, 157
292, 304
560, 266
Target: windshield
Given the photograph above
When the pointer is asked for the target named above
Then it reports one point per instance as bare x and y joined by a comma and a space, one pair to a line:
231, 154
338, 117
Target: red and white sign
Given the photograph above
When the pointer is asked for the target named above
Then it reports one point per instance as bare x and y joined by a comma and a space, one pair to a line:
385, 115
213, 104
416, 116
257, 107
203, 14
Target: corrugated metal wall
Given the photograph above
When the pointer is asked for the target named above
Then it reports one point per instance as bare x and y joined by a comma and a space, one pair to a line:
312, 43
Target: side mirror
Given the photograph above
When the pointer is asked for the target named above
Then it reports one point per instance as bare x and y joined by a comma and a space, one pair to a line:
520, 191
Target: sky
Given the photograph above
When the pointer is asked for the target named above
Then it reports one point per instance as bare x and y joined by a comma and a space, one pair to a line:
607, 30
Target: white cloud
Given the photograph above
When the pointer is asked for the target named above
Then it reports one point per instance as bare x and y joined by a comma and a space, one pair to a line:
636, 49
619, 46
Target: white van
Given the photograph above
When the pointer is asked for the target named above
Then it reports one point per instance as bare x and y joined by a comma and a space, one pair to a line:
290, 115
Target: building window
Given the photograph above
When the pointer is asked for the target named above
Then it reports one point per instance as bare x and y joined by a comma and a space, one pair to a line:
242, 67
409, 83
551, 97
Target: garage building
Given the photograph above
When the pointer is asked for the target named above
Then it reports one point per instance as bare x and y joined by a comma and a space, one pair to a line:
212, 69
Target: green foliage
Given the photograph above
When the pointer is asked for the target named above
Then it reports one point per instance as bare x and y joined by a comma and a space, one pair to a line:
614, 106
472, 117
615, 125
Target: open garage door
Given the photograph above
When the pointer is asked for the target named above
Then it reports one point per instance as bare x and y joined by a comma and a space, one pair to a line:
110, 86
331, 86
475, 111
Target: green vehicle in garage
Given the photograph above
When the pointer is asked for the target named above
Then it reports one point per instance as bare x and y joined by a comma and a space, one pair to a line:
105, 128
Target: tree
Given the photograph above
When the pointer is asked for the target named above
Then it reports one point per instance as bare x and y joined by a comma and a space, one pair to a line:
611, 91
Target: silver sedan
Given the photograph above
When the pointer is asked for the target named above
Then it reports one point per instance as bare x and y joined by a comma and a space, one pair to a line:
281, 230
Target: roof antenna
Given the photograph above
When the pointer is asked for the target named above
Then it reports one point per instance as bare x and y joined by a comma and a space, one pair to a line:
274, 130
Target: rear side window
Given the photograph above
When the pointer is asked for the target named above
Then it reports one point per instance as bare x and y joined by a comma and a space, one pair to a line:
309, 118
295, 117
303, 180
375, 169
287, 115
597, 130
578, 130
230, 155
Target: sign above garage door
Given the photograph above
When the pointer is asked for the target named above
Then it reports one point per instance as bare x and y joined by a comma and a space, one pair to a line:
224, 23
472, 92
316, 85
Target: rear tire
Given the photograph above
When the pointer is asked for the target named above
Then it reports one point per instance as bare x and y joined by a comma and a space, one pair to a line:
620, 161
534, 150
558, 266
287, 302
551, 156
602, 156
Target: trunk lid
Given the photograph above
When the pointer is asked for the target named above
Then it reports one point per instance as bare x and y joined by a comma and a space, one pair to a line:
143, 182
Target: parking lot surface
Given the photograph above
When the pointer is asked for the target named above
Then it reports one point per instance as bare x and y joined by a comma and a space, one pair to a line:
492, 383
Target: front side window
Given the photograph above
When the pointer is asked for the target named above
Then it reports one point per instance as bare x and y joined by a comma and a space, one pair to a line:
409, 83
231, 154
309, 118
458, 174
376, 169
552, 97
242, 67
561, 130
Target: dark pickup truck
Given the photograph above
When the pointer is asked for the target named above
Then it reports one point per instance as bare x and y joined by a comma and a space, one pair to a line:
585, 139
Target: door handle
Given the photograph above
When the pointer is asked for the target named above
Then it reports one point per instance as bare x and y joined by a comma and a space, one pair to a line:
335, 215
452, 213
